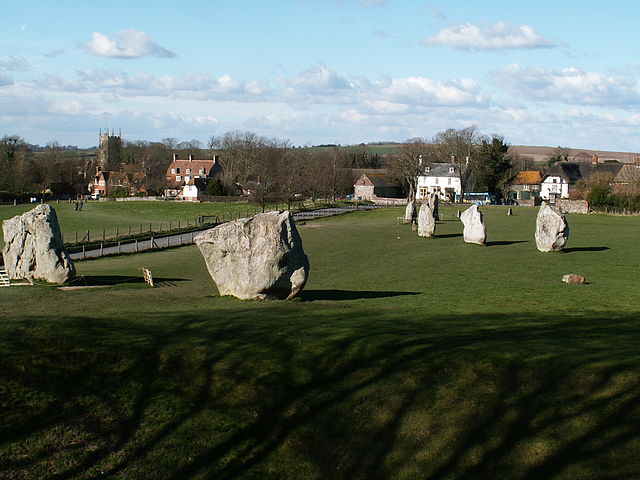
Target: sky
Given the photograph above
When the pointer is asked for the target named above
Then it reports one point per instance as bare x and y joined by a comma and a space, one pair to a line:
322, 71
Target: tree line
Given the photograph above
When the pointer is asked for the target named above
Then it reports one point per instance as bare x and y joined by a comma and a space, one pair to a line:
484, 162
279, 171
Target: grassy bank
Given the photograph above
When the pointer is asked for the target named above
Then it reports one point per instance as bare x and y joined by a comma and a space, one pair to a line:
406, 358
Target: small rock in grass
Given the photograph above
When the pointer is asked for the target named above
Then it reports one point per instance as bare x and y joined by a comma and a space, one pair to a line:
573, 278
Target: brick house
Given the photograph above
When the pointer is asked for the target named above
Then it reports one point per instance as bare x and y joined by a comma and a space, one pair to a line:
182, 172
371, 186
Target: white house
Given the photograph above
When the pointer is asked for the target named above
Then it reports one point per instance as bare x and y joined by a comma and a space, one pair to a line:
562, 177
442, 178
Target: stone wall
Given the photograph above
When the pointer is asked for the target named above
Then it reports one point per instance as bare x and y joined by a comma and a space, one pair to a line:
572, 206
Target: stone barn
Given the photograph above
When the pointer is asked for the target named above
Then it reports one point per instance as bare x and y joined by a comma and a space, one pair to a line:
371, 186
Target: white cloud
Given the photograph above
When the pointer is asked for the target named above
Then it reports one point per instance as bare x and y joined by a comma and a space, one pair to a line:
318, 80
467, 36
428, 92
125, 44
570, 85
5, 80
14, 63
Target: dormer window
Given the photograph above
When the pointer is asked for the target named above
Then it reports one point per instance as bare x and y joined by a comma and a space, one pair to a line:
187, 178
178, 177
201, 171
427, 169
174, 171
188, 170
450, 169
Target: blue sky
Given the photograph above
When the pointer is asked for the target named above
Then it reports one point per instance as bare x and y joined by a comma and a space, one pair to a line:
322, 71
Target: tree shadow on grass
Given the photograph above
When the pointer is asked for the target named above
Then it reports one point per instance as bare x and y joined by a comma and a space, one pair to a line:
505, 242
448, 235
585, 249
107, 280
313, 295
438, 396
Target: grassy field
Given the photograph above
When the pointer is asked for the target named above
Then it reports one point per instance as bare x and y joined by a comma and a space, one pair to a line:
405, 358
96, 216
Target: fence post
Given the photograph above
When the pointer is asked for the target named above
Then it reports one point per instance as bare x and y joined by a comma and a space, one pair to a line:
151, 244
119, 247
88, 239
101, 249
84, 253
103, 234
160, 226
136, 245
140, 228
76, 236
149, 227
129, 230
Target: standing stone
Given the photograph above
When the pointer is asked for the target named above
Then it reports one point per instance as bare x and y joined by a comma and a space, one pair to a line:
434, 201
426, 221
34, 249
410, 212
552, 230
474, 229
260, 257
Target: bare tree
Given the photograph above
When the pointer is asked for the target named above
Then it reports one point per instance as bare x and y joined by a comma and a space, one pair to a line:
414, 155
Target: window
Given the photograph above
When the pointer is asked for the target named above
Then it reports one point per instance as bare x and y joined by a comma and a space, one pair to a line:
427, 169
178, 177
201, 171
188, 170
187, 178
450, 169
174, 171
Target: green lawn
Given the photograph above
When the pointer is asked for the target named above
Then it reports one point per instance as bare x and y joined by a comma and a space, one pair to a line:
406, 358
96, 216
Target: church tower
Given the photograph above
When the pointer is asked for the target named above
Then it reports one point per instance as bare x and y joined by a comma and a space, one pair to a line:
109, 150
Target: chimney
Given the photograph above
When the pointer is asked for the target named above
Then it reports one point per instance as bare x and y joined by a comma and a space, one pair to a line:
453, 159
215, 159
594, 159
175, 157
565, 158
191, 157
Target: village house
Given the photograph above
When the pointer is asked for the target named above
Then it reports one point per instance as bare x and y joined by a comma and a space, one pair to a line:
441, 178
108, 182
372, 186
182, 173
561, 178
525, 189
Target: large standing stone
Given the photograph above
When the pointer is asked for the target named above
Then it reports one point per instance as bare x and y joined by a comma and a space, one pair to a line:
552, 230
256, 258
474, 229
410, 212
34, 249
426, 220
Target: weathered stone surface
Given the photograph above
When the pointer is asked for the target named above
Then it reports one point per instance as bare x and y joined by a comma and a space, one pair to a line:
34, 249
426, 220
573, 278
410, 212
474, 229
256, 258
552, 230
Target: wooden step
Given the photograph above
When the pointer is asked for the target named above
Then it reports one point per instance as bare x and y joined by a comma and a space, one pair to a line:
4, 278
